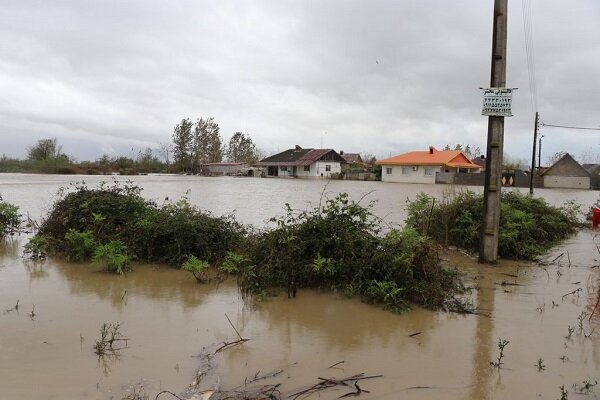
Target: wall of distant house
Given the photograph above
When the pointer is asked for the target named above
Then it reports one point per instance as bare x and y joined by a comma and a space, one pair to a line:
409, 174
520, 179
567, 182
319, 169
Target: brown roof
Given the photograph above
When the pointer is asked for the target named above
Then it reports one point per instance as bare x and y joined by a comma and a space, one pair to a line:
299, 157
451, 158
352, 157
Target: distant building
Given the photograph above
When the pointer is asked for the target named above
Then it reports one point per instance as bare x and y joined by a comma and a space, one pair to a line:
594, 170
566, 173
224, 168
422, 166
480, 161
304, 163
352, 158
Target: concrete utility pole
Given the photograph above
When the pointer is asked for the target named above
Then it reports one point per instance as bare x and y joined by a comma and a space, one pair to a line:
532, 172
540, 152
488, 251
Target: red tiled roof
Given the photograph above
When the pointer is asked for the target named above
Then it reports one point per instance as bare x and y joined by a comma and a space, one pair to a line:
451, 158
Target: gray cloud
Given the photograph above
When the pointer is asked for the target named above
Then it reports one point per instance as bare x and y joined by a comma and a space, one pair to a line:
372, 76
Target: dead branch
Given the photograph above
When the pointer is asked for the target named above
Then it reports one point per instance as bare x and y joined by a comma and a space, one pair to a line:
559, 256
336, 364
236, 331
414, 334
357, 393
258, 377
576, 291
227, 345
167, 392
326, 383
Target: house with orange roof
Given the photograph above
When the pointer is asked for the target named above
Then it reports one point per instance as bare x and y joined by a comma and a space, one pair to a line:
421, 166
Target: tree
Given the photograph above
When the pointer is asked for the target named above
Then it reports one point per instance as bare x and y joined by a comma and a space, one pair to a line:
165, 149
45, 149
182, 143
207, 145
241, 148
471, 151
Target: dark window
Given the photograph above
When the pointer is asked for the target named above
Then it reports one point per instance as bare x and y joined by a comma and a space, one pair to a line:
388, 171
307, 168
328, 167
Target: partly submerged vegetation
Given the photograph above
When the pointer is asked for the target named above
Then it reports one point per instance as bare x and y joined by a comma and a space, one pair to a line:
10, 219
528, 225
339, 245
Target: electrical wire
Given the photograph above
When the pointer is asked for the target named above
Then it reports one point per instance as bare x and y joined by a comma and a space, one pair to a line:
529, 52
570, 127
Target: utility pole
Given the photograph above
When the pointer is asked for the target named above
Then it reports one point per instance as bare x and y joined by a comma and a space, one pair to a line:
532, 172
488, 252
540, 153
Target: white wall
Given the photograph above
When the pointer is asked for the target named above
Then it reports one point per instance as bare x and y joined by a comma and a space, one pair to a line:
316, 169
410, 176
567, 182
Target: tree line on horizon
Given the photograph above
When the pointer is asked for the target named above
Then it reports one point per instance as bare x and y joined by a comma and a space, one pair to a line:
192, 144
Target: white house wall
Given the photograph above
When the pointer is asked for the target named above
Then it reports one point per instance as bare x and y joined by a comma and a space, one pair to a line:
317, 170
566, 182
410, 176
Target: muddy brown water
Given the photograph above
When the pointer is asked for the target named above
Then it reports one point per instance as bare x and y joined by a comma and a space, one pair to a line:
170, 319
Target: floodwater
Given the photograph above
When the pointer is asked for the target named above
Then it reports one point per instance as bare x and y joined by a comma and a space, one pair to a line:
170, 319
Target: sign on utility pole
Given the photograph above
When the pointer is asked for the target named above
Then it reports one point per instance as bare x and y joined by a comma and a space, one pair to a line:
488, 251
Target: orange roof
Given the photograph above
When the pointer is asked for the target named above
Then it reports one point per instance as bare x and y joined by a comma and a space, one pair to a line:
451, 158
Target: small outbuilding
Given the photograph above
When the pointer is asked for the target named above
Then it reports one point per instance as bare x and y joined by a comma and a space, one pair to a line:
224, 168
566, 173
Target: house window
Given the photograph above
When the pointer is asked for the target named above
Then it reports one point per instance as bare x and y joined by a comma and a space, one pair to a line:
328, 167
284, 168
388, 171
405, 170
307, 168
428, 171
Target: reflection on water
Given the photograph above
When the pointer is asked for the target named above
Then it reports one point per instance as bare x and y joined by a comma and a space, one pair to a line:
170, 318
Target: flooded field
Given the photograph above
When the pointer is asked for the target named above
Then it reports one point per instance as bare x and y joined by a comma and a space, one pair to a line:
171, 320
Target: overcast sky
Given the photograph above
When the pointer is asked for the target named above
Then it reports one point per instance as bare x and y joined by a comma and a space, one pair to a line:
380, 77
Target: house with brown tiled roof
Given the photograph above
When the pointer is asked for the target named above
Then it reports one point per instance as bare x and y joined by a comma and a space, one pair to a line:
421, 166
304, 163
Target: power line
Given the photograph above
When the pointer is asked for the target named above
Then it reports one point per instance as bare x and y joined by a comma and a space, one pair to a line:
571, 127
528, 31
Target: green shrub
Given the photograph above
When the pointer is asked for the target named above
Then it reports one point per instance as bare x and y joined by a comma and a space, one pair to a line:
112, 256
36, 247
10, 220
196, 267
79, 245
339, 246
165, 234
528, 225
234, 263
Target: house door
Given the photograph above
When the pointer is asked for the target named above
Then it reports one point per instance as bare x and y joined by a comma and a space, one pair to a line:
294, 171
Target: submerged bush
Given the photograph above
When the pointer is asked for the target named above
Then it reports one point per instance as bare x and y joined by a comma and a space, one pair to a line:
36, 247
112, 256
196, 267
10, 220
86, 218
528, 226
339, 246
